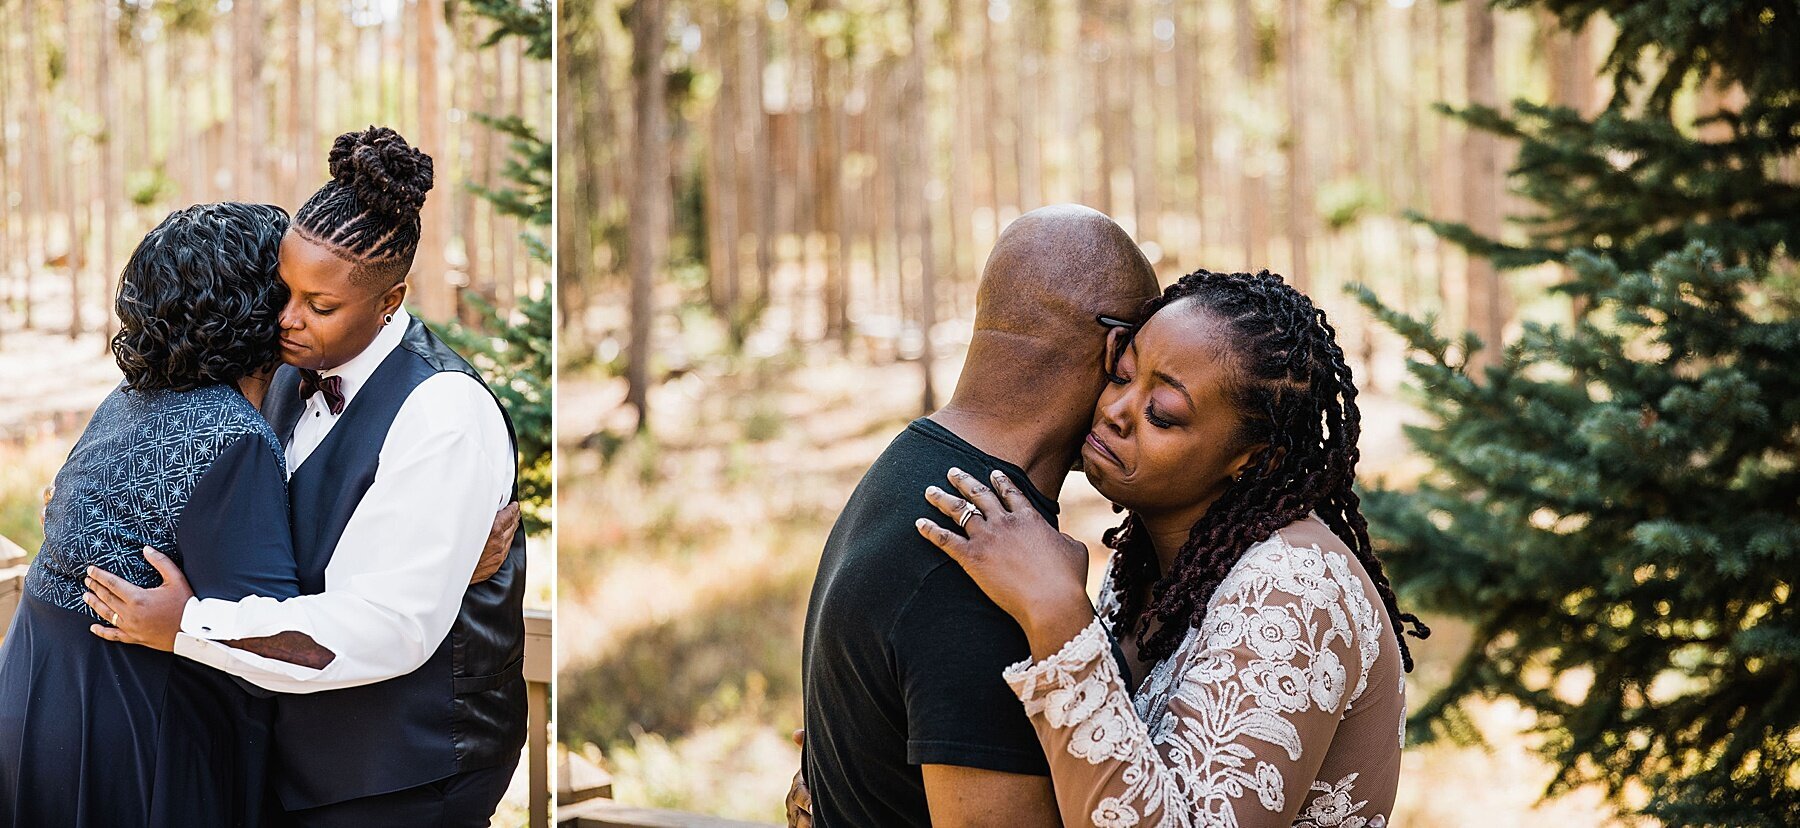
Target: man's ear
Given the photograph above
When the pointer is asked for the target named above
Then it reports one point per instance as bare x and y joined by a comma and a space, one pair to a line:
1116, 340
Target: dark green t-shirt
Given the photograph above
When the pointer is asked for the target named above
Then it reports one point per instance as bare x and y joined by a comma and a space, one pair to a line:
903, 652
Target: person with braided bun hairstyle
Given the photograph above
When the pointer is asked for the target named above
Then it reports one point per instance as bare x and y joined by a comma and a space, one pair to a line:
1262, 682
401, 698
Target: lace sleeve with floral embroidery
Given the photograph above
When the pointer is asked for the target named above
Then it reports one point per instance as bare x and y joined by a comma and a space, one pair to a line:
1252, 704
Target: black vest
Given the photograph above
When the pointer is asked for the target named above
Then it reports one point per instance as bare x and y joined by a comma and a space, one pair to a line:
465, 708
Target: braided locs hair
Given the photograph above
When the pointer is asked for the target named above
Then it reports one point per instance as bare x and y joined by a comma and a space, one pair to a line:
1294, 393
368, 213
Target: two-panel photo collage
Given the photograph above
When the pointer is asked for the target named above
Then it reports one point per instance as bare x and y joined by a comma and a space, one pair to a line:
854, 414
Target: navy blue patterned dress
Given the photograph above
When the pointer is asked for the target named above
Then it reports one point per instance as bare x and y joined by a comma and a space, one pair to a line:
95, 733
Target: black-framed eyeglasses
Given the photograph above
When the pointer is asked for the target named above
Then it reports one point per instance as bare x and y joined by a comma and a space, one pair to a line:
1110, 322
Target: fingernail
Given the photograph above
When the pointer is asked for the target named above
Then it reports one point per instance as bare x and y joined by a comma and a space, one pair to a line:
956, 472
998, 475
920, 523
931, 490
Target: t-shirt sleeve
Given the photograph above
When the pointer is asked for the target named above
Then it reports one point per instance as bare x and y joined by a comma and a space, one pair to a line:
234, 536
950, 646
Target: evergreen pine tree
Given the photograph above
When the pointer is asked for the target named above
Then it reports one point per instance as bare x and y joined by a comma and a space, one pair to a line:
514, 351
1615, 506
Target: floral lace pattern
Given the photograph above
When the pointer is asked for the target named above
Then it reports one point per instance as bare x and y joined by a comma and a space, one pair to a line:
1231, 730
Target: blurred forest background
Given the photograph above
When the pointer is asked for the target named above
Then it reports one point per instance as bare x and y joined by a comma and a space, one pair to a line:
773, 216
113, 113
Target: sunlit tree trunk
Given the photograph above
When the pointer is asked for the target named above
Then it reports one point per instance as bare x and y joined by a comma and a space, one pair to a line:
991, 105
1444, 201
10, 247
437, 299
110, 185
1031, 27
1570, 60
834, 225
1192, 108
73, 194
1138, 104
1481, 188
1299, 173
753, 30
1252, 183
293, 164
961, 198
914, 170
647, 214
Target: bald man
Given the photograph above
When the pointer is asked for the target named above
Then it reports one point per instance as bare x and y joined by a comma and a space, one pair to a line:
908, 722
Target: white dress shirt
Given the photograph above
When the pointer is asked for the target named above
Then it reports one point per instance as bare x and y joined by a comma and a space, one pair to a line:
395, 582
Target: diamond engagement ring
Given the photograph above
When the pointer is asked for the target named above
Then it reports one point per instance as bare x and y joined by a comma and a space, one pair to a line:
968, 511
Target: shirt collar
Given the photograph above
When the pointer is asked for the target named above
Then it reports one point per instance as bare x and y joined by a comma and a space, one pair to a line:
357, 369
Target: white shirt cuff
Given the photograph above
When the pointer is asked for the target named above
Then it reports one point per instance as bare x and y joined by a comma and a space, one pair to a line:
255, 616
237, 662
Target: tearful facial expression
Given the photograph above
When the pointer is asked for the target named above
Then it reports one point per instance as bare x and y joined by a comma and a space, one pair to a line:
330, 317
1165, 436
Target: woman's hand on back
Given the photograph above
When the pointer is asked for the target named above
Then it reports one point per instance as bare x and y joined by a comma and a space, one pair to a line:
1035, 573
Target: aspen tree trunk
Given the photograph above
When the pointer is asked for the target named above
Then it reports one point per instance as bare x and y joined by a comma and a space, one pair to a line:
431, 276
914, 170
1481, 188
1252, 183
109, 184
72, 190
1299, 173
650, 151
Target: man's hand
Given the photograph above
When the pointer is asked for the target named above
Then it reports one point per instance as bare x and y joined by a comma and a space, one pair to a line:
150, 617
499, 542
799, 799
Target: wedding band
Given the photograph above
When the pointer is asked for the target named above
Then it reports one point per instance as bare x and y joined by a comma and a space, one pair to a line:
968, 511
115, 619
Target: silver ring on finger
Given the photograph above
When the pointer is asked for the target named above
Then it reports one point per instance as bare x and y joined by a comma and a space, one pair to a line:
968, 511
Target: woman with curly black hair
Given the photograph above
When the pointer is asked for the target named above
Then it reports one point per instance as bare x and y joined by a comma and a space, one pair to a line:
1244, 666
177, 458
400, 456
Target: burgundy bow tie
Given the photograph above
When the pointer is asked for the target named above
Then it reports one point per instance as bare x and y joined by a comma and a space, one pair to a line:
333, 388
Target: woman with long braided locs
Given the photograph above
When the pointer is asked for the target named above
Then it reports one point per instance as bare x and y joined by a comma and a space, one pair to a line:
1295, 396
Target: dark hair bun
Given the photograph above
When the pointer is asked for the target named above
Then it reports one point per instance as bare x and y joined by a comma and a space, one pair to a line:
387, 175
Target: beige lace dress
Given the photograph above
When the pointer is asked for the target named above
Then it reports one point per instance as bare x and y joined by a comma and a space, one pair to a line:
1284, 708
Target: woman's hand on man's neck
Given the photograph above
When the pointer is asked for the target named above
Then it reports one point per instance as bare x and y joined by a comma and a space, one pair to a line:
1037, 445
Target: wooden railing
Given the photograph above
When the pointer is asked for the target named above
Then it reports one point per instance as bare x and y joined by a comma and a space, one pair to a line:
584, 800
538, 672
605, 813
539, 668
12, 581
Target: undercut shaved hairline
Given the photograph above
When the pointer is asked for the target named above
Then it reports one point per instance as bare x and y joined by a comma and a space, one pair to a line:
379, 274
